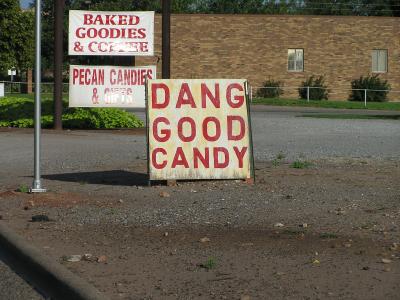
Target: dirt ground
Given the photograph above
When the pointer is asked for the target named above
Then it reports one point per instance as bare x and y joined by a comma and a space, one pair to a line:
327, 231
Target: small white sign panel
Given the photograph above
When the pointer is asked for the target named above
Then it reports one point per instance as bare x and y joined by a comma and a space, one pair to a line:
108, 86
111, 33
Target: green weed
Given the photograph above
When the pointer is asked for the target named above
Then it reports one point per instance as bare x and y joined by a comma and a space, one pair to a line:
299, 164
23, 189
328, 235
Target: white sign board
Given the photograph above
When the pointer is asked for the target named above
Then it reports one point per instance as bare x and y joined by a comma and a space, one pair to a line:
1, 89
108, 86
12, 72
111, 33
198, 129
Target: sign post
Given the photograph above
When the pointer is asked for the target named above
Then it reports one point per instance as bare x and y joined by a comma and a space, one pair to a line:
37, 184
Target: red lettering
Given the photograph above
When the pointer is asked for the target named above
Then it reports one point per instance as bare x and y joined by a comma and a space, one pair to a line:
142, 33
103, 47
217, 129
75, 74
112, 79
205, 160
133, 20
79, 33
122, 20
185, 97
192, 129
98, 20
90, 46
240, 135
205, 92
154, 158
142, 76
87, 19
165, 134
224, 163
87, 74
240, 154
239, 100
81, 76
154, 88
179, 159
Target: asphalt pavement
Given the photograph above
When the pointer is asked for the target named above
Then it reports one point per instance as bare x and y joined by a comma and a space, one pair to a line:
273, 133
13, 287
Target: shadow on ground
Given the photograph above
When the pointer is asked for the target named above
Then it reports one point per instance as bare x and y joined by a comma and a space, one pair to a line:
114, 177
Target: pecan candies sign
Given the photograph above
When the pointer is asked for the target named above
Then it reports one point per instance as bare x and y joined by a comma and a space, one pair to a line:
111, 33
198, 129
108, 86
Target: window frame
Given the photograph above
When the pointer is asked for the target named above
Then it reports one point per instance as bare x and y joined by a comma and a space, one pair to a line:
295, 70
378, 51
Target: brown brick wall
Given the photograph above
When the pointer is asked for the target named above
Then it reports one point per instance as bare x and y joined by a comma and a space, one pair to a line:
255, 47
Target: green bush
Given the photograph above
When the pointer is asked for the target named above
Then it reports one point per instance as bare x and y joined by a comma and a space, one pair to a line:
378, 86
318, 90
271, 89
18, 112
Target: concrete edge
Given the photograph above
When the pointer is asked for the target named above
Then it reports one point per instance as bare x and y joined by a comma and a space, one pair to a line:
46, 275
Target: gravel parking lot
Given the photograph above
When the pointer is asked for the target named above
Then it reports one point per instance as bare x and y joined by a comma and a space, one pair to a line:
273, 131
329, 230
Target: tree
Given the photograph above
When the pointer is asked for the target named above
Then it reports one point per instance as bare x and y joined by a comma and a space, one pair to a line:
9, 10
16, 36
25, 41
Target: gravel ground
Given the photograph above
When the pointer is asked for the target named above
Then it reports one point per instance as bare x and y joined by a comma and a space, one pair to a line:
329, 230
12, 287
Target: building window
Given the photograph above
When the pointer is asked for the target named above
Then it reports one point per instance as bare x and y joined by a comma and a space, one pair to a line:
379, 60
295, 60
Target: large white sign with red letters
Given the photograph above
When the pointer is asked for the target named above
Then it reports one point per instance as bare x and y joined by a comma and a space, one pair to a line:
108, 86
111, 33
198, 129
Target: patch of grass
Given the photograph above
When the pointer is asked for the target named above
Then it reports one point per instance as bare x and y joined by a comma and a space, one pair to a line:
18, 112
209, 264
280, 156
352, 116
23, 189
277, 161
328, 235
328, 104
300, 164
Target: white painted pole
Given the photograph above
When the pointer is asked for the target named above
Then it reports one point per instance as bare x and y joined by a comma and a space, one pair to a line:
37, 184
365, 98
308, 94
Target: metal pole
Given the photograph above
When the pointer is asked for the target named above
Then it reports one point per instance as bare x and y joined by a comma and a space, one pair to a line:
37, 185
365, 98
166, 34
58, 62
308, 94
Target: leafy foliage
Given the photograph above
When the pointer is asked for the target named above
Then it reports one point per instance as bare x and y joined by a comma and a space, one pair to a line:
18, 112
272, 89
318, 90
378, 89
16, 36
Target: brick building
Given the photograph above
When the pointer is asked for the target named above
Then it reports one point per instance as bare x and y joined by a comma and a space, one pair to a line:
284, 48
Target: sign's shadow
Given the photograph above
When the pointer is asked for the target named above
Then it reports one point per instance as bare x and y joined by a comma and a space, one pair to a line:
113, 177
